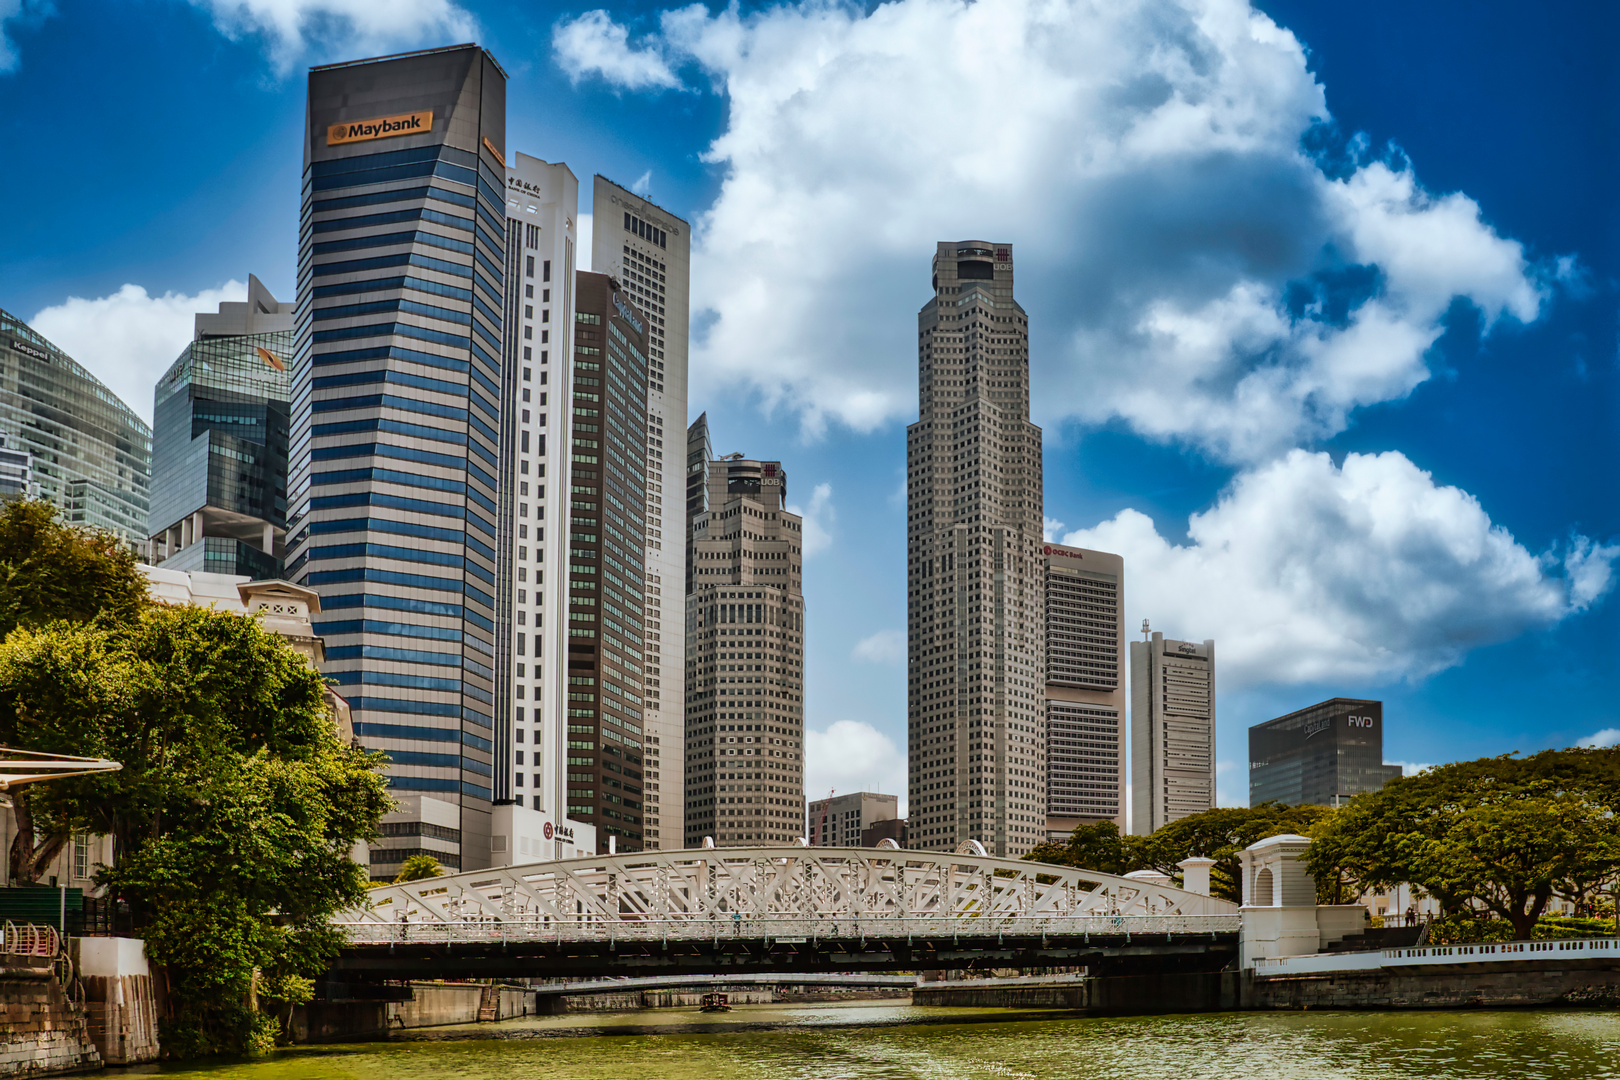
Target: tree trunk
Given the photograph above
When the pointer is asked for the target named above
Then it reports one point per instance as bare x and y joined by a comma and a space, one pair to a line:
28, 863
1524, 922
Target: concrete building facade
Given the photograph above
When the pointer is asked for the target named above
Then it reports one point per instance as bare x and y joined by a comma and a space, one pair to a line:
220, 419
394, 482
1085, 688
531, 696
976, 669
1320, 755
843, 820
745, 621
1172, 731
69, 439
647, 250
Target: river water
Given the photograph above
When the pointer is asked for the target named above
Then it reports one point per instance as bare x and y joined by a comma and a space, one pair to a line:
892, 1041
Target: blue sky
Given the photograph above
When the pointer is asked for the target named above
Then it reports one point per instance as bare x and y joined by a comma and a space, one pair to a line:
1323, 298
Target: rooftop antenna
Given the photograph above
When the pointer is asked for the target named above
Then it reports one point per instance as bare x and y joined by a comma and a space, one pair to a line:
1144, 630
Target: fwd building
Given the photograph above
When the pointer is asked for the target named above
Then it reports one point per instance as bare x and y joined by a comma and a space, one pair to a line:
397, 385
1320, 755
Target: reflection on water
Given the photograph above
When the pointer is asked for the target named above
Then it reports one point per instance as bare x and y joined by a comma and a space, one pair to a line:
863, 1040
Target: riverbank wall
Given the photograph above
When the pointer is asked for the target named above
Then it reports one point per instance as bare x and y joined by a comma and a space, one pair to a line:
432, 1004
635, 1000
1498, 988
120, 999
1507, 986
43, 1032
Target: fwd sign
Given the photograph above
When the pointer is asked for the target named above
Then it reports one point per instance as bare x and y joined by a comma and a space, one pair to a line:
1360, 721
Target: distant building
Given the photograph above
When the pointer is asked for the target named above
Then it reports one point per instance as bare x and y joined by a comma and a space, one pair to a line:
648, 251
1085, 688
1319, 756
219, 442
976, 739
605, 632
1172, 731
80, 447
745, 653
843, 820
890, 829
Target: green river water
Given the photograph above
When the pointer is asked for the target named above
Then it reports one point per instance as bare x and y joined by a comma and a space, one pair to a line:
861, 1040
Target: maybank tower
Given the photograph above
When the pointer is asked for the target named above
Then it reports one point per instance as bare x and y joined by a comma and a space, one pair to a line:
394, 487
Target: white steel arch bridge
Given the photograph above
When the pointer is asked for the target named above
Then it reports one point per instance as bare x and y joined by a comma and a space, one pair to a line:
787, 904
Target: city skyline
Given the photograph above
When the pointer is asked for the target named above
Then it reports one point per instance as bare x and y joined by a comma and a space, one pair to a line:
1509, 648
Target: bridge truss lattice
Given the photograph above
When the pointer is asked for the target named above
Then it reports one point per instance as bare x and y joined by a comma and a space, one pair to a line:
777, 891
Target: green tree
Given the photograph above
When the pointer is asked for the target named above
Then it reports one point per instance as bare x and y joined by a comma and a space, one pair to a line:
417, 867
1220, 834
1504, 833
1098, 846
235, 812
51, 571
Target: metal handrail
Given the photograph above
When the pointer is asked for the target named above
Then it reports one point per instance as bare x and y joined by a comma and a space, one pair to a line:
30, 939
780, 928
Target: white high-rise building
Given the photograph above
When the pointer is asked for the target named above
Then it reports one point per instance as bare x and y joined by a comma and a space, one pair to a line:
648, 250
530, 819
975, 571
1085, 688
1172, 730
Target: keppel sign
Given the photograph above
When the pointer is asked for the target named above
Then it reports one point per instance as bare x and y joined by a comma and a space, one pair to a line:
383, 127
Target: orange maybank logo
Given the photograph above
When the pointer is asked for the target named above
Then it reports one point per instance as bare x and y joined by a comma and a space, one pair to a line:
382, 127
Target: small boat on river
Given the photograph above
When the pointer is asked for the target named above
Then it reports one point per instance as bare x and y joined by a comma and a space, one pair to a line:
715, 1003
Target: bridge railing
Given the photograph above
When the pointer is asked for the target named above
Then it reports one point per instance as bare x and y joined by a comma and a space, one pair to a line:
783, 929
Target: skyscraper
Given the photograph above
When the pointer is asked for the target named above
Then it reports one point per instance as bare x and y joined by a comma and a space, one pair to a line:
1320, 755
86, 451
745, 620
607, 493
1085, 688
976, 665
1172, 731
648, 251
531, 687
397, 417
219, 442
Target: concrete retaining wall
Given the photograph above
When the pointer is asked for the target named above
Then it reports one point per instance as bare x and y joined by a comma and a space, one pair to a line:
1134, 995
430, 1005
119, 998
1438, 989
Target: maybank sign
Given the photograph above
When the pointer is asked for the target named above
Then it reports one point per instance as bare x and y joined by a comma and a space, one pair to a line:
383, 127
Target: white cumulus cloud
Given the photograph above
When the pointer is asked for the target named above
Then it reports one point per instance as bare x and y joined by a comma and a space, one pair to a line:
851, 756
128, 339
1188, 267
14, 13
883, 647
1304, 571
1598, 739
594, 45
818, 519
291, 29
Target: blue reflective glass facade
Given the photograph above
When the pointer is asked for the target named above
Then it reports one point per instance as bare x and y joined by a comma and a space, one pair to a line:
396, 425
88, 453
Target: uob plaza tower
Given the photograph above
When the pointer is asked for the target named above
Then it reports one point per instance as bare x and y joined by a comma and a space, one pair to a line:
976, 665
396, 413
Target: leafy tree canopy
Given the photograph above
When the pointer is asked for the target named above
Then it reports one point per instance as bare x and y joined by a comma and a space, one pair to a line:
235, 812
1506, 833
417, 867
50, 570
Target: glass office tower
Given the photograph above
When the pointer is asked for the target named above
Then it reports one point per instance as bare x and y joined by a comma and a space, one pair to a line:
219, 442
87, 451
396, 419
607, 493
1321, 755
